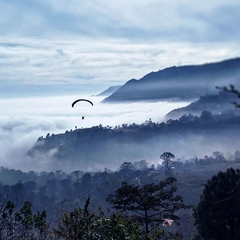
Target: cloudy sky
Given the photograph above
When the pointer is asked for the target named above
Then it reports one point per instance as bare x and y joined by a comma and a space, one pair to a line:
55, 48
68, 46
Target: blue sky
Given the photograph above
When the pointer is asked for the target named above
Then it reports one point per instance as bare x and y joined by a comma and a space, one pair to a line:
62, 47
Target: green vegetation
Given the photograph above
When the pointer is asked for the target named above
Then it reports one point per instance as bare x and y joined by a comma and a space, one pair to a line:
139, 141
217, 216
20, 222
75, 204
82, 223
150, 204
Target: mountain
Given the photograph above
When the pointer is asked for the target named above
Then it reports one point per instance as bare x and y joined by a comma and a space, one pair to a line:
182, 82
108, 91
215, 103
93, 149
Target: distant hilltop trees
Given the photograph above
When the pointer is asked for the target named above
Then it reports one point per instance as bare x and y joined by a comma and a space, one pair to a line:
137, 141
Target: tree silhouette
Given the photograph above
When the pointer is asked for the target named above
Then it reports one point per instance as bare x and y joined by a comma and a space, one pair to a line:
20, 222
82, 223
167, 160
231, 89
217, 216
150, 204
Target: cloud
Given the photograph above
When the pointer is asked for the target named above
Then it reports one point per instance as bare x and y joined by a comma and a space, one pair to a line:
24, 120
33, 66
140, 21
71, 44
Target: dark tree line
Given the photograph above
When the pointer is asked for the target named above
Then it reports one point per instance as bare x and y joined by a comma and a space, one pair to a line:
73, 146
141, 214
58, 191
217, 216
138, 212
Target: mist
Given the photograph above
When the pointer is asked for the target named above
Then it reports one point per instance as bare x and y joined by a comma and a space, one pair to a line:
24, 120
99, 149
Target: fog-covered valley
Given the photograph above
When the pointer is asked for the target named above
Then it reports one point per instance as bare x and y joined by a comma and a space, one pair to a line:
95, 148
24, 120
92, 138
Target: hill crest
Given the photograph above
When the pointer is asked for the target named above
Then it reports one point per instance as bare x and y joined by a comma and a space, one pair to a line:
182, 82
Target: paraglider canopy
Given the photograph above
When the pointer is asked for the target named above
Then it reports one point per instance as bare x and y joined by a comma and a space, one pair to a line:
78, 100
84, 100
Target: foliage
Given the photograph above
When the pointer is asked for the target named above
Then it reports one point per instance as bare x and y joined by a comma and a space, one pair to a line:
113, 144
85, 224
217, 216
56, 191
150, 204
167, 161
22, 223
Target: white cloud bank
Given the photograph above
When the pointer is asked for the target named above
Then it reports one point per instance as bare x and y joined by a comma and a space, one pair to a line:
33, 67
24, 120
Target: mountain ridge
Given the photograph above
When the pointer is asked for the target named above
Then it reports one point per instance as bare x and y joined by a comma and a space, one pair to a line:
108, 91
137, 141
170, 82
217, 104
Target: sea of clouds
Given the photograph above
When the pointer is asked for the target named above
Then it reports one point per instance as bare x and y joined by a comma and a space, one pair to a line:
24, 120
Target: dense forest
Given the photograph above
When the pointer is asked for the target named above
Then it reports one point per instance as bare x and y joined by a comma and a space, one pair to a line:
191, 135
57, 191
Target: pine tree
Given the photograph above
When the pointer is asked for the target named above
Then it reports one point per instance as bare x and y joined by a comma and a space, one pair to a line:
217, 216
150, 205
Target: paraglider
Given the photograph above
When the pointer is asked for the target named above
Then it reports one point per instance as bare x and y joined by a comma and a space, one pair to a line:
78, 100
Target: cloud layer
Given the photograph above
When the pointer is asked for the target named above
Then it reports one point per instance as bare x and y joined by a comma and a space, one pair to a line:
74, 46
24, 120
169, 20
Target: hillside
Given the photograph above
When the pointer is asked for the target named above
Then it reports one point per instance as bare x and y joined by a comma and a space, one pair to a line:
182, 82
98, 147
108, 91
215, 103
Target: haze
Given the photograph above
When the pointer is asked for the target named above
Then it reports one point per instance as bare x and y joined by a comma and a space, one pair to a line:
24, 120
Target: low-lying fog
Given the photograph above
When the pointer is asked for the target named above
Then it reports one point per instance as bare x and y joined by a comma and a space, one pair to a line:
24, 120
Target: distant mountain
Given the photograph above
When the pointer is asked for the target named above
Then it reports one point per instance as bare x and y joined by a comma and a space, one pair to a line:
108, 91
182, 82
216, 103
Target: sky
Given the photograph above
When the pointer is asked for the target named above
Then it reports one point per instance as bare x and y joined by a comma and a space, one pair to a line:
70, 46
53, 51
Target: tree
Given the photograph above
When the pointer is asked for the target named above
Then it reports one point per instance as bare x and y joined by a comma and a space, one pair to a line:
22, 223
167, 160
76, 224
149, 205
82, 223
126, 166
217, 216
231, 89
